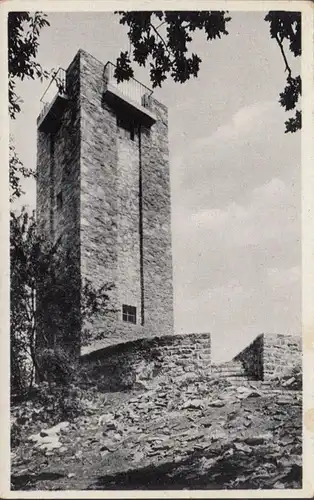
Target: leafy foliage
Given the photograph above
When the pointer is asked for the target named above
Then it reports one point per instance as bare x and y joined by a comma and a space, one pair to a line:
25, 268
163, 38
286, 27
167, 52
46, 405
34, 268
23, 41
16, 172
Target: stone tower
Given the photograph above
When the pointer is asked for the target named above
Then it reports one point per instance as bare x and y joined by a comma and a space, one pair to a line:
103, 193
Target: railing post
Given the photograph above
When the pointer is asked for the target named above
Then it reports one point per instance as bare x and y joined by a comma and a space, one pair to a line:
58, 80
107, 73
146, 100
132, 89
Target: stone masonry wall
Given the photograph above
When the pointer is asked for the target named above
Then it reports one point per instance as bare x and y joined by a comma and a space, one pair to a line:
167, 360
128, 280
118, 177
58, 170
252, 359
98, 187
280, 352
271, 355
113, 224
186, 359
157, 254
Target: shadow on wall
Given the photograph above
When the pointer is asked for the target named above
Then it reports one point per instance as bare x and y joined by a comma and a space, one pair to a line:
178, 359
269, 356
145, 361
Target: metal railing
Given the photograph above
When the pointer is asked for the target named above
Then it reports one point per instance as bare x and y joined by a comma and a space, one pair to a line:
132, 88
57, 85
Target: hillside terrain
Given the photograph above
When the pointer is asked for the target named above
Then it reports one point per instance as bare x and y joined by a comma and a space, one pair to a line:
223, 433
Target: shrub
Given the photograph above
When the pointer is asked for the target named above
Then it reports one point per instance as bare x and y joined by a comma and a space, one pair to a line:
15, 434
57, 392
55, 366
58, 403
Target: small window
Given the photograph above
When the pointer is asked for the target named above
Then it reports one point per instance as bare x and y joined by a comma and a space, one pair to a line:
59, 200
129, 313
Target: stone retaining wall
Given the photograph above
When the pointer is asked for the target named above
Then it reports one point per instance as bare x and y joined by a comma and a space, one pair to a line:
186, 358
252, 359
168, 359
280, 352
125, 210
270, 356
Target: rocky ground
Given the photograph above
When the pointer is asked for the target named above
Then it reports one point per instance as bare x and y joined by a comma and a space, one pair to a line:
212, 435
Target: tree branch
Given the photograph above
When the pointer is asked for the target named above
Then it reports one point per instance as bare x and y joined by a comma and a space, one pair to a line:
287, 68
161, 38
33, 304
27, 309
160, 25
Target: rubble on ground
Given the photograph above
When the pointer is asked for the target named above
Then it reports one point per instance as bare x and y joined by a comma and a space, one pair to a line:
188, 435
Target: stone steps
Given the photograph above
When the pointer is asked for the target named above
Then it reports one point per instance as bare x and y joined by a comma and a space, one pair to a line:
231, 369
231, 376
228, 366
225, 372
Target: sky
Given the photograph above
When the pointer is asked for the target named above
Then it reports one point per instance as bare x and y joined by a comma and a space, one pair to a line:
235, 175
